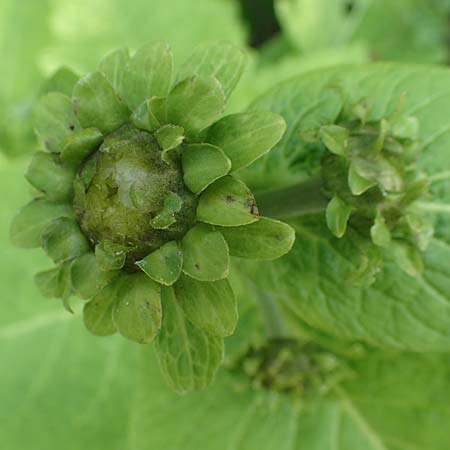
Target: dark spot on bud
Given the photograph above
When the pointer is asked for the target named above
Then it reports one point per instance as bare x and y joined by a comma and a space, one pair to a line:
230, 199
197, 266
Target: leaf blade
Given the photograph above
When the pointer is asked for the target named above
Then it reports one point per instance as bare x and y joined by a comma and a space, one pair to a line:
246, 137
211, 306
227, 202
188, 357
137, 311
97, 105
221, 60
195, 103
265, 239
206, 256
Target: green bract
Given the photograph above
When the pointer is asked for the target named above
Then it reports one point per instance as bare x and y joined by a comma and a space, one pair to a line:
370, 174
139, 200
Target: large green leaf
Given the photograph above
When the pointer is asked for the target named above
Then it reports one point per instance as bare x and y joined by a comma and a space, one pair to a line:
93, 393
380, 24
314, 282
188, 356
314, 99
375, 411
267, 70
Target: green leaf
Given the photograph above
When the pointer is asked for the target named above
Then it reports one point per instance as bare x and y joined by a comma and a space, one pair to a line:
65, 288
137, 311
342, 25
46, 173
335, 138
188, 356
113, 67
163, 265
55, 283
314, 285
407, 257
314, 105
422, 229
221, 60
62, 80
135, 408
98, 313
47, 282
149, 114
380, 232
246, 137
31, 220
157, 109
380, 170
79, 145
357, 184
264, 239
66, 361
227, 202
202, 165
210, 306
206, 256
302, 18
53, 120
166, 217
195, 103
315, 282
374, 410
148, 74
406, 128
337, 215
169, 137
110, 256
63, 240
87, 277
97, 105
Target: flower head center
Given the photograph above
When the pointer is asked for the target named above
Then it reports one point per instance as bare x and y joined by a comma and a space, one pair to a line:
126, 194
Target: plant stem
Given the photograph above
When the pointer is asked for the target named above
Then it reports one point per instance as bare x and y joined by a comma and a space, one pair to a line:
298, 200
293, 201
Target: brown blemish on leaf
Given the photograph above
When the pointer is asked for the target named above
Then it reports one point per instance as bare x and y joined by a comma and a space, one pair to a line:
251, 205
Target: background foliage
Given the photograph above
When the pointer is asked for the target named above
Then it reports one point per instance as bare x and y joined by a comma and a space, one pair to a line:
62, 388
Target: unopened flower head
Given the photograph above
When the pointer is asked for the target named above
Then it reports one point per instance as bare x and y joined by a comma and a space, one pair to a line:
137, 193
370, 174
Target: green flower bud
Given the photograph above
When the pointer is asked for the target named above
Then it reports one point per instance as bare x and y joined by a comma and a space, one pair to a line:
289, 366
128, 191
370, 175
140, 201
